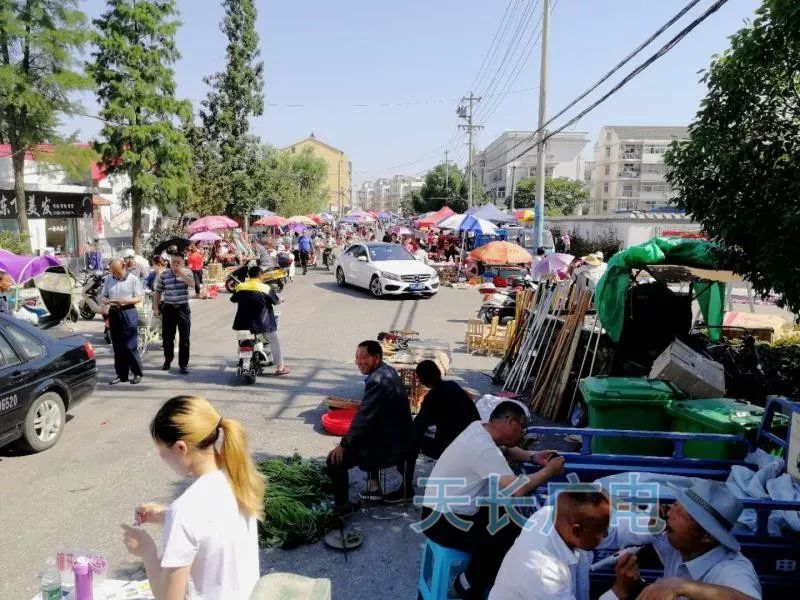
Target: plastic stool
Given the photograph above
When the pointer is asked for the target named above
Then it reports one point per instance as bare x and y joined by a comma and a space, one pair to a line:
438, 567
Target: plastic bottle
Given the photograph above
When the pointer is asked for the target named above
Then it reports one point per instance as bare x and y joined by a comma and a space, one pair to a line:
51, 581
83, 579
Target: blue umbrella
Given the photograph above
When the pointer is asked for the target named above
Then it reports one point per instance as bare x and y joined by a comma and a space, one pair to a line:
263, 212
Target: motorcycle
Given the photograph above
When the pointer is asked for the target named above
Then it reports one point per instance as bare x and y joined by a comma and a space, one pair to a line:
327, 258
92, 285
503, 304
254, 355
274, 276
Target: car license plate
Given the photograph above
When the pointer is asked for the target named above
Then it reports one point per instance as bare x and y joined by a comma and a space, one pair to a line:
8, 403
415, 287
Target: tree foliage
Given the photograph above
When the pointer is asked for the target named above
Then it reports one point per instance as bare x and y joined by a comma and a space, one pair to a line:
561, 195
738, 173
142, 136
295, 182
39, 40
445, 184
236, 95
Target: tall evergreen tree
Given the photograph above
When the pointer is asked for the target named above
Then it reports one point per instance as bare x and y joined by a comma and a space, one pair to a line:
39, 40
236, 95
143, 134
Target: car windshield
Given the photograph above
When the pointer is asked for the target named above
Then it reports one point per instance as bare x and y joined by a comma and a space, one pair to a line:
389, 252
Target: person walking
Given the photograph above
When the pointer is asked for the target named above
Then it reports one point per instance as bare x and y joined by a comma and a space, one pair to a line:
120, 294
172, 302
6, 283
195, 261
305, 247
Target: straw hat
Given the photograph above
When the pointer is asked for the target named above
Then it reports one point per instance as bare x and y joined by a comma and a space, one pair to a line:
593, 260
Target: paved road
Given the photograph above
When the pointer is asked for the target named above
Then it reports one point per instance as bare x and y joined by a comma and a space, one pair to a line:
78, 493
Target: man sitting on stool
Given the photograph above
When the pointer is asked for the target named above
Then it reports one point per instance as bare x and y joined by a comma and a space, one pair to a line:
451, 513
380, 432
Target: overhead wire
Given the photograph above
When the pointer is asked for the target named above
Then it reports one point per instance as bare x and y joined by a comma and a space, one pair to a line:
607, 75
653, 58
495, 44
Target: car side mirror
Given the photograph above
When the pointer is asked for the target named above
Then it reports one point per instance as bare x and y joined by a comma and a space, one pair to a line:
362, 259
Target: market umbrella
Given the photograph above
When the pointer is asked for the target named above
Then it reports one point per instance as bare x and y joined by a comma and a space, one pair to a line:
490, 212
359, 218
400, 230
524, 214
263, 212
181, 244
436, 217
453, 222
553, 263
298, 228
326, 217
301, 220
316, 218
477, 225
21, 268
211, 223
501, 253
270, 221
205, 236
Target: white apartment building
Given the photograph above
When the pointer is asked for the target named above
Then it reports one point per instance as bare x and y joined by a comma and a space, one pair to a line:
497, 168
629, 168
387, 194
401, 188
365, 196
380, 196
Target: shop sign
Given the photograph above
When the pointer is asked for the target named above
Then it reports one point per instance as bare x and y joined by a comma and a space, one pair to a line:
47, 205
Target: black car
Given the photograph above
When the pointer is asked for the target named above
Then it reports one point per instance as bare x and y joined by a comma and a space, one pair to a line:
41, 376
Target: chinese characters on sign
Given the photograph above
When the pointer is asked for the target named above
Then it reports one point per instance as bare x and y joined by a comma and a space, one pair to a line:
47, 205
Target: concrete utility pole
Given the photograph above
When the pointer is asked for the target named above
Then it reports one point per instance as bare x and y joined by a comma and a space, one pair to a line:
541, 168
446, 172
465, 112
513, 178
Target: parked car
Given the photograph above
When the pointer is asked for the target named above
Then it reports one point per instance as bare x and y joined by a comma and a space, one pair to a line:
385, 269
42, 375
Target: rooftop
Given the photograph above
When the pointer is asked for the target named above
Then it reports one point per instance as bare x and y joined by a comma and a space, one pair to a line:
649, 132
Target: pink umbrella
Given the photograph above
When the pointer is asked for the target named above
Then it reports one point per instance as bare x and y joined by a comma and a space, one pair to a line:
212, 222
205, 236
400, 230
553, 263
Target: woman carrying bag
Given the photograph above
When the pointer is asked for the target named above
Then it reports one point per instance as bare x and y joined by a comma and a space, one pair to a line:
210, 536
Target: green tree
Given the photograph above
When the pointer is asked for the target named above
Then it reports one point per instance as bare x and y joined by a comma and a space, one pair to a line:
561, 195
39, 40
443, 186
142, 136
236, 95
738, 173
295, 183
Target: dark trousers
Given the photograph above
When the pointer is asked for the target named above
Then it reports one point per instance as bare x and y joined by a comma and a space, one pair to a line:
198, 280
124, 329
176, 317
304, 261
340, 480
487, 550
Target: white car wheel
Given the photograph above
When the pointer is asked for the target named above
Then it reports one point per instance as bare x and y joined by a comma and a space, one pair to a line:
340, 277
375, 287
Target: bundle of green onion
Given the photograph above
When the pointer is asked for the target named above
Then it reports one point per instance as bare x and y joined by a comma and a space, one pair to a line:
297, 505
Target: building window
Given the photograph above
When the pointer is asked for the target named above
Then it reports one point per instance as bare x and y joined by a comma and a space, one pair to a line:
608, 151
532, 172
605, 187
605, 205
608, 170
608, 135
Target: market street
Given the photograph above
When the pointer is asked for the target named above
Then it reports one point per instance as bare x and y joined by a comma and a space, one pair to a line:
78, 493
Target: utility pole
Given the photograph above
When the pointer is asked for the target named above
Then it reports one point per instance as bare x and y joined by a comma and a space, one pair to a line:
446, 172
513, 177
465, 112
541, 169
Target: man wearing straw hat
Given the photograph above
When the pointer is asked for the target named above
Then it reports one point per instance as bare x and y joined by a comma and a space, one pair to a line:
588, 274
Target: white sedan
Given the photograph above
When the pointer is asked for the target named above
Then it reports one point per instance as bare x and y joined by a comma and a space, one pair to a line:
385, 269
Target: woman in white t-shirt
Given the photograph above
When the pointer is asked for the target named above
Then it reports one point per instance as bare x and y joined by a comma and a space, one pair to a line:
210, 532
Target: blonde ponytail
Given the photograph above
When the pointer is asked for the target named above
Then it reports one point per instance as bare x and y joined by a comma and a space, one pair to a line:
247, 483
194, 421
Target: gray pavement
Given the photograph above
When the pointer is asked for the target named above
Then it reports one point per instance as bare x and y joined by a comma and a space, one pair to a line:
78, 493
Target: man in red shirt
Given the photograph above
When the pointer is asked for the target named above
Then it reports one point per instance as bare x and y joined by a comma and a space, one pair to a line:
195, 262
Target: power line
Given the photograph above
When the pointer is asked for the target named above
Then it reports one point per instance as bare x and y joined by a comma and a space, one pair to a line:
495, 44
661, 52
605, 77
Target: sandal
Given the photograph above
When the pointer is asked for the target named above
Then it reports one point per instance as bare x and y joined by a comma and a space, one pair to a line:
284, 371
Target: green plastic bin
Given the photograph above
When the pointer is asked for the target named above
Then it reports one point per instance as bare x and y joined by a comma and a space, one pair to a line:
716, 415
629, 403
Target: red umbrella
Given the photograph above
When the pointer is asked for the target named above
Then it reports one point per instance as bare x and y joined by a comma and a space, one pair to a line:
316, 218
271, 221
211, 223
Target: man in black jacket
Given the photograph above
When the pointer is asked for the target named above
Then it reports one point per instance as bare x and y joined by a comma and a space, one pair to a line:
254, 313
380, 432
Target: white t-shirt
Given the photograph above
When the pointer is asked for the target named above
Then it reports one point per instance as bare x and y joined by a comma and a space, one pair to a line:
461, 474
204, 528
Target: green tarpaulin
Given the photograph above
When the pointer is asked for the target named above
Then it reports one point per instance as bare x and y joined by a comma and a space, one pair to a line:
610, 293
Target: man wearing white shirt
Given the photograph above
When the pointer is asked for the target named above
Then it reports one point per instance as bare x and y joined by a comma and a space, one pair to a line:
700, 555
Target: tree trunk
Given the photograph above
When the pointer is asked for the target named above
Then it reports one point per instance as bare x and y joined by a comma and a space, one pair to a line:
246, 224
136, 219
18, 162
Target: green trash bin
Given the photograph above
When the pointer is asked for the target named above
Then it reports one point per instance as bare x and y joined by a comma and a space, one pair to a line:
716, 415
629, 403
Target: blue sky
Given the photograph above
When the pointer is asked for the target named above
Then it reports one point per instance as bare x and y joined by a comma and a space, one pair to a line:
420, 56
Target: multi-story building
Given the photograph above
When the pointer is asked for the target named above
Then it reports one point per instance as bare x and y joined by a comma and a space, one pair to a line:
497, 168
387, 194
381, 189
401, 188
339, 172
365, 196
629, 170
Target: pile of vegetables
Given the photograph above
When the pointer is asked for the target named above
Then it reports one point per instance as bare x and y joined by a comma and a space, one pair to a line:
297, 506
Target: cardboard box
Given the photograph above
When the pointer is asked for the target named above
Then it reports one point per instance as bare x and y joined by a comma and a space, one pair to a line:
691, 372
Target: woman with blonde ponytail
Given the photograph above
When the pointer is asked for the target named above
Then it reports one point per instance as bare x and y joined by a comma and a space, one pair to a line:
210, 534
